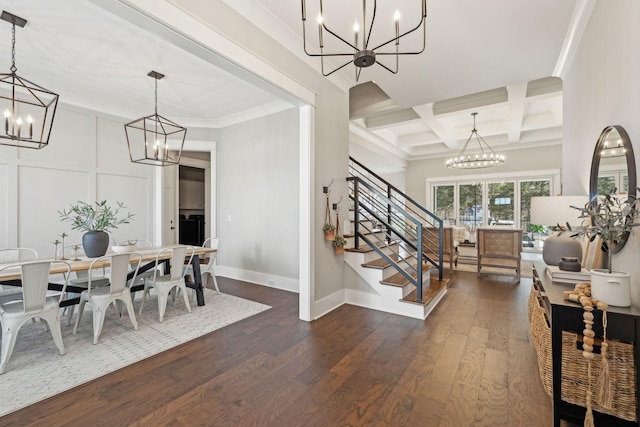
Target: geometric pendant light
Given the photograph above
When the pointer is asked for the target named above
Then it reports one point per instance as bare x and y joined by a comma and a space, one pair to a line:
486, 158
27, 108
155, 140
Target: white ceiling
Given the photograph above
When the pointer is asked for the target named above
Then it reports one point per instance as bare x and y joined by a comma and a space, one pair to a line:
480, 56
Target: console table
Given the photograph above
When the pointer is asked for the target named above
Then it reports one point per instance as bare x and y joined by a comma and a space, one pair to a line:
623, 325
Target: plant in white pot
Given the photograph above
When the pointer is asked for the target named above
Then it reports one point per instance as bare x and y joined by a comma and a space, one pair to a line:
609, 217
95, 220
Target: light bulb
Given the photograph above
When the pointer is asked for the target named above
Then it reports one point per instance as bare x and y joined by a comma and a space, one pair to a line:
356, 26
319, 18
396, 16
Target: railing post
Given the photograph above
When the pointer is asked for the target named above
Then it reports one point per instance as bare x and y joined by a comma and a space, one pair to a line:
356, 213
419, 266
440, 264
389, 213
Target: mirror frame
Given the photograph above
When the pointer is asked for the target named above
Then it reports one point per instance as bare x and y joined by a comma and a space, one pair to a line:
631, 170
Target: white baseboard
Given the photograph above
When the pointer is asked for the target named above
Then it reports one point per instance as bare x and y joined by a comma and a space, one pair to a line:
328, 304
265, 279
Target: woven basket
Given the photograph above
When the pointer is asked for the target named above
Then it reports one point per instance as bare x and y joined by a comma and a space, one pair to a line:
574, 366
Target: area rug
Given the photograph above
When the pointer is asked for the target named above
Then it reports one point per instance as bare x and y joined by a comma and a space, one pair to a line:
36, 369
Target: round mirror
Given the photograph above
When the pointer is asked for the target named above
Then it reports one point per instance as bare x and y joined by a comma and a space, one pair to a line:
613, 167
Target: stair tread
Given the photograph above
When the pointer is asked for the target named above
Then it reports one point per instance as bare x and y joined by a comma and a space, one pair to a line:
366, 233
428, 292
380, 263
399, 280
366, 248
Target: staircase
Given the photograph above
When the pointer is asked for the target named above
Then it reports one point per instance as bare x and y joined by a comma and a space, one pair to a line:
385, 228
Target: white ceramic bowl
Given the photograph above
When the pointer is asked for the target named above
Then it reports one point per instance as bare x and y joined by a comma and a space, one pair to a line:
124, 248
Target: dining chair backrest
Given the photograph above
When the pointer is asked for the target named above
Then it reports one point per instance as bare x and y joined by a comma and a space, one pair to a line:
17, 254
213, 244
119, 268
178, 256
35, 281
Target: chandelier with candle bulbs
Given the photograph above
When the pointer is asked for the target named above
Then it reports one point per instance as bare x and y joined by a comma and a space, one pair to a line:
485, 159
28, 109
155, 140
360, 51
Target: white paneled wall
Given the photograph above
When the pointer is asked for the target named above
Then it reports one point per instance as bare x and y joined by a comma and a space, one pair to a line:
87, 160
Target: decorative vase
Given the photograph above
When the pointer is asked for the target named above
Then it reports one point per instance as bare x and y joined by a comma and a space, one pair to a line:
329, 235
95, 243
613, 288
338, 250
568, 263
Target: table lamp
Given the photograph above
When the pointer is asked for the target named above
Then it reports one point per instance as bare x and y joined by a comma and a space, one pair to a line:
553, 210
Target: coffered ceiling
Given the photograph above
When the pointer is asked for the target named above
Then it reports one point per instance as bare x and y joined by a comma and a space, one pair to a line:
494, 57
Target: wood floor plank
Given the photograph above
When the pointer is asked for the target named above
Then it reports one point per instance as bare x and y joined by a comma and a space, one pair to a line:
468, 363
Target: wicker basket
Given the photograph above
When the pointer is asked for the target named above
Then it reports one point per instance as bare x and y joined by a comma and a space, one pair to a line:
574, 366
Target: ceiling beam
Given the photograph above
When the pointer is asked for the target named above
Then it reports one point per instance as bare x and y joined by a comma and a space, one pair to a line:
515, 110
426, 113
390, 119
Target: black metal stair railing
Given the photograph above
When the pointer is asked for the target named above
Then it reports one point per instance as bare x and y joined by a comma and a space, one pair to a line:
404, 221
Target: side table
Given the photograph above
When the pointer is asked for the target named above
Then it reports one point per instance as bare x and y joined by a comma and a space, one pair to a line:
623, 325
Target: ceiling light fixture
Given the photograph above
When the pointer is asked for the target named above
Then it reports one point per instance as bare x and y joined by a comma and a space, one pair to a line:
155, 140
486, 159
615, 149
362, 55
28, 108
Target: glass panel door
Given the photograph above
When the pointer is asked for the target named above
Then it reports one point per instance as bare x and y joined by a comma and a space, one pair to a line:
470, 202
529, 189
443, 197
501, 201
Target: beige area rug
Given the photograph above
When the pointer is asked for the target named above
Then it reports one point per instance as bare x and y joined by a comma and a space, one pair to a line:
525, 265
36, 369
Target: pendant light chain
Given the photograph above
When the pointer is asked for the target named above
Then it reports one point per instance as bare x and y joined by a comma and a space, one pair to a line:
13, 49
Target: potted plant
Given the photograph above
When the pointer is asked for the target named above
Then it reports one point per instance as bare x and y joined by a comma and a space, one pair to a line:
329, 231
338, 245
538, 229
95, 220
608, 217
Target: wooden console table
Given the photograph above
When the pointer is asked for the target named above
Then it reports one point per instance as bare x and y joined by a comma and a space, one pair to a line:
623, 325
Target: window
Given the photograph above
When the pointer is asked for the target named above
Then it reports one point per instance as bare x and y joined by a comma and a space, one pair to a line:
489, 202
529, 189
443, 202
470, 202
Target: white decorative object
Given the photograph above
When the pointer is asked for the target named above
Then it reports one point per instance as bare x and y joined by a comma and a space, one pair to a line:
613, 288
124, 248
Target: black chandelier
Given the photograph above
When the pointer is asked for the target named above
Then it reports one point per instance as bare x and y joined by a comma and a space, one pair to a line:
486, 159
28, 109
360, 52
155, 140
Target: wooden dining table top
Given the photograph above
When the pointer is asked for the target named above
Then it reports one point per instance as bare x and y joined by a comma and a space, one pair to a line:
83, 263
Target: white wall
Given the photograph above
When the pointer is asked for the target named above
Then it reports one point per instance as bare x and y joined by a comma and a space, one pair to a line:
602, 88
87, 159
258, 198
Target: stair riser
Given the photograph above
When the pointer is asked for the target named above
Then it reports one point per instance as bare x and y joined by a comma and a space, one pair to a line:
374, 237
372, 255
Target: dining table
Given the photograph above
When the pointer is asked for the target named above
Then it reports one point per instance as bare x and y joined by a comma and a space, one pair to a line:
12, 276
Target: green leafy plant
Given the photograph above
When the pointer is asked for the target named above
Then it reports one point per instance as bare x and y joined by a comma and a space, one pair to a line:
608, 217
538, 228
98, 216
339, 241
329, 227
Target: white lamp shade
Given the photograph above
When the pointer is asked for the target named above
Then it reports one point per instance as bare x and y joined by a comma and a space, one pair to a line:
552, 210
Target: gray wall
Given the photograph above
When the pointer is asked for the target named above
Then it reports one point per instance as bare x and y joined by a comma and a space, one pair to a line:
258, 196
602, 88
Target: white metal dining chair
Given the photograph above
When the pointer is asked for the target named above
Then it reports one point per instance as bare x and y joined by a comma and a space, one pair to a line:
11, 255
101, 297
210, 267
73, 252
164, 284
35, 304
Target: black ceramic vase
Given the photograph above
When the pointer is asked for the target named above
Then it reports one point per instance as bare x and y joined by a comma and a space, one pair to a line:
95, 243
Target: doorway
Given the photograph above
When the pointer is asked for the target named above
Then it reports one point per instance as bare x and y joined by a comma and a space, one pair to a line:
191, 205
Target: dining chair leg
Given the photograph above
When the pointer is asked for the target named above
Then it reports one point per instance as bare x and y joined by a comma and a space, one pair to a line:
53, 320
162, 304
186, 298
80, 311
9, 334
127, 302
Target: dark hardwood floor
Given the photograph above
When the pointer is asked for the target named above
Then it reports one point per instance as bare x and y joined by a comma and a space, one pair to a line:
469, 364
